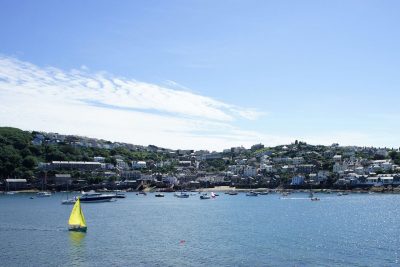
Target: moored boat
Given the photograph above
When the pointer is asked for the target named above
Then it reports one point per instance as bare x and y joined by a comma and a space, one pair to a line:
159, 195
70, 201
94, 197
181, 195
205, 196
251, 194
119, 195
43, 194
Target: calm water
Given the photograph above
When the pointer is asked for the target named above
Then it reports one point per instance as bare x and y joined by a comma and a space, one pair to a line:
353, 230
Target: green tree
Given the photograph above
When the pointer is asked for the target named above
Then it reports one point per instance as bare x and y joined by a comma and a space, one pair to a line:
29, 162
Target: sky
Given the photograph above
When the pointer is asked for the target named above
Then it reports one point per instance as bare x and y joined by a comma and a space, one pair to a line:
206, 74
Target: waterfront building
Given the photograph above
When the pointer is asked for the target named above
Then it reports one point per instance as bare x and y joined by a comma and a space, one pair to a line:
16, 184
62, 179
71, 165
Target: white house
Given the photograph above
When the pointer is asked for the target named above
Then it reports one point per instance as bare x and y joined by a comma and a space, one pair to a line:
249, 171
337, 158
267, 168
382, 152
297, 180
122, 164
298, 160
99, 159
139, 164
339, 168
359, 170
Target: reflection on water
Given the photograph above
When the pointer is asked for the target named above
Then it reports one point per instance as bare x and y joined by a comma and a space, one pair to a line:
77, 248
76, 238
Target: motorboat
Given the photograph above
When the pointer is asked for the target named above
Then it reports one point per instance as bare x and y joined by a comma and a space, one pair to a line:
263, 193
159, 195
119, 195
181, 195
232, 193
205, 196
251, 194
94, 197
43, 194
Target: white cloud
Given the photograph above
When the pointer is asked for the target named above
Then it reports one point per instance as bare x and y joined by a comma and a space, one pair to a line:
118, 109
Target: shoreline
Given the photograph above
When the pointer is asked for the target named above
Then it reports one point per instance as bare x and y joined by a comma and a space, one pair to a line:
380, 190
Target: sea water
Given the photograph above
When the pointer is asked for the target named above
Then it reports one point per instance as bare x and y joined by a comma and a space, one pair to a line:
268, 230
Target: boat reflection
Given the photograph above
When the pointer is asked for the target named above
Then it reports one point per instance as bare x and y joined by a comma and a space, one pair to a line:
77, 248
76, 238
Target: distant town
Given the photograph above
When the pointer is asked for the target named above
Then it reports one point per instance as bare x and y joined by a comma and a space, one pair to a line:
52, 161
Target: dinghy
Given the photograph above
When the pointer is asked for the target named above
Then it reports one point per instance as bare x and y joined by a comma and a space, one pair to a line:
76, 219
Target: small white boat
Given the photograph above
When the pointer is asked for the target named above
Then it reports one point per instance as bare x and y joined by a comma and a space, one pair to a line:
43, 194
70, 201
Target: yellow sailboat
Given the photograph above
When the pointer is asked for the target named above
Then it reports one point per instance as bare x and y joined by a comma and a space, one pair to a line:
76, 219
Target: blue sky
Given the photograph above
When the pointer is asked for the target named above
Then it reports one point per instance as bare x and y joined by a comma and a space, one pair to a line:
318, 71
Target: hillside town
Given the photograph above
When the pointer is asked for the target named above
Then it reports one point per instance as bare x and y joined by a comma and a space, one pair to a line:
125, 166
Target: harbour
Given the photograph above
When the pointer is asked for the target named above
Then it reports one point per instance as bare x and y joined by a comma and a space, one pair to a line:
144, 230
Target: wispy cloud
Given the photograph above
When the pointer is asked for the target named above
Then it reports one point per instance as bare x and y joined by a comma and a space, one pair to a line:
102, 105
99, 104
